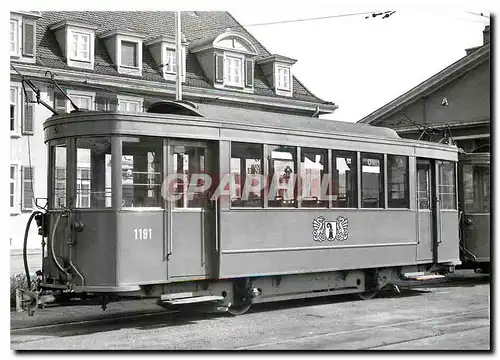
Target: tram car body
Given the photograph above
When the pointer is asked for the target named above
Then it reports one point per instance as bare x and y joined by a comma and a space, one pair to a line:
474, 205
391, 209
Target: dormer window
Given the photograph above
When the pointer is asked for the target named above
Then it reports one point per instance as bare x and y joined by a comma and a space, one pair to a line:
233, 71
125, 49
22, 36
283, 78
76, 40
129, 54
233, 65
80, 46
164, 54
170, 60
278, 70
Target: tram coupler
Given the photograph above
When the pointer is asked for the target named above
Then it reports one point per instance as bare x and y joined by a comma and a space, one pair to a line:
31, 300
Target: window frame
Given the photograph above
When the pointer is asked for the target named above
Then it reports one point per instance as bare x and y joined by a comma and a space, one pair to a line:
136, 54
322, 202
233, 184
74, 94
79, 34
280, 80
227, 70
17, 109
16, 208
355, 182
127, 100
381, 192
17, 48
406, 183
292, 202
170, 68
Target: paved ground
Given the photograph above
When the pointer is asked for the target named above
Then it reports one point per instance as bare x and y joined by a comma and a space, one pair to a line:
453, 316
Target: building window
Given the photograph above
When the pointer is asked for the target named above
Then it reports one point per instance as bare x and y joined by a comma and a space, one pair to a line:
129, 104
84, 101
80, 46
282, 172
313, 167
233, 71
246, 172
283, 78
14, 205
446, 178
344, 170
372, 181
171, 60
14, 128
29, 39
28, 194
14, 38
129, 54
397, 181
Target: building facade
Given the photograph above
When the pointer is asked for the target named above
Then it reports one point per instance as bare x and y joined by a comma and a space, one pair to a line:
126, 61
454, 103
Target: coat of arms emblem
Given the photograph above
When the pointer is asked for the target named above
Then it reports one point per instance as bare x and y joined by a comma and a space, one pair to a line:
330, 230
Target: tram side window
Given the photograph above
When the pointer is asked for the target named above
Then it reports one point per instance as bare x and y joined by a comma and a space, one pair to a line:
313, 168
344, 192
282, 175
372, 181
246, 172
447, 193
476, 183
189, 164
93, 173
423, 184
397, 181
142, 163
59, 175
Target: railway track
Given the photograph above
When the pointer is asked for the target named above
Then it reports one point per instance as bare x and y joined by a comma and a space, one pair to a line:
305, 341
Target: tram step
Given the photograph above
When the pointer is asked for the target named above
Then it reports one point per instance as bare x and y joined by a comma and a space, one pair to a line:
166, 297
426, 277
193, 300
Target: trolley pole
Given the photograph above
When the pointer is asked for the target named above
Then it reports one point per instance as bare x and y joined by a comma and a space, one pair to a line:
178, 55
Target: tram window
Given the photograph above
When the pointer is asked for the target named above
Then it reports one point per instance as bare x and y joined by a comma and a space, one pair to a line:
397, 181
476, 184
447, 193
246, 172
142, 163
59, 175
314, 165
189, 162
423, 184
344, 191
372, 181
282, 172
93, 172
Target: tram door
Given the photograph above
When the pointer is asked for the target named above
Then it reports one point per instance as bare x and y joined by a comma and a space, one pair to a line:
436, 203
190, 223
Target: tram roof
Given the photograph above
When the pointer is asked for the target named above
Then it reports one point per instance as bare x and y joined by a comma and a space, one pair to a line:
290, 122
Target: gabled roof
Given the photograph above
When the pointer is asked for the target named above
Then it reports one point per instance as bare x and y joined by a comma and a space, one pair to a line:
445, 76
195, 26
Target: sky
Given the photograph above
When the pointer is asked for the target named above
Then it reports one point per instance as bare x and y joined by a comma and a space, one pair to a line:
362, 64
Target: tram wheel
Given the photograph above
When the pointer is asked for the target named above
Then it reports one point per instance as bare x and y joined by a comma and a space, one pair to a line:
367, 295
236, 310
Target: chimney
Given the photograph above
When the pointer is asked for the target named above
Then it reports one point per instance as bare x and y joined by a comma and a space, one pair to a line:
486, 35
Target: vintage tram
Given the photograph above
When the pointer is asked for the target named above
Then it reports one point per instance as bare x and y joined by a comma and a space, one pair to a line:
125, 215
474, 206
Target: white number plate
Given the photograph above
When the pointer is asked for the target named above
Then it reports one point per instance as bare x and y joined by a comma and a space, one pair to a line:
143, 234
